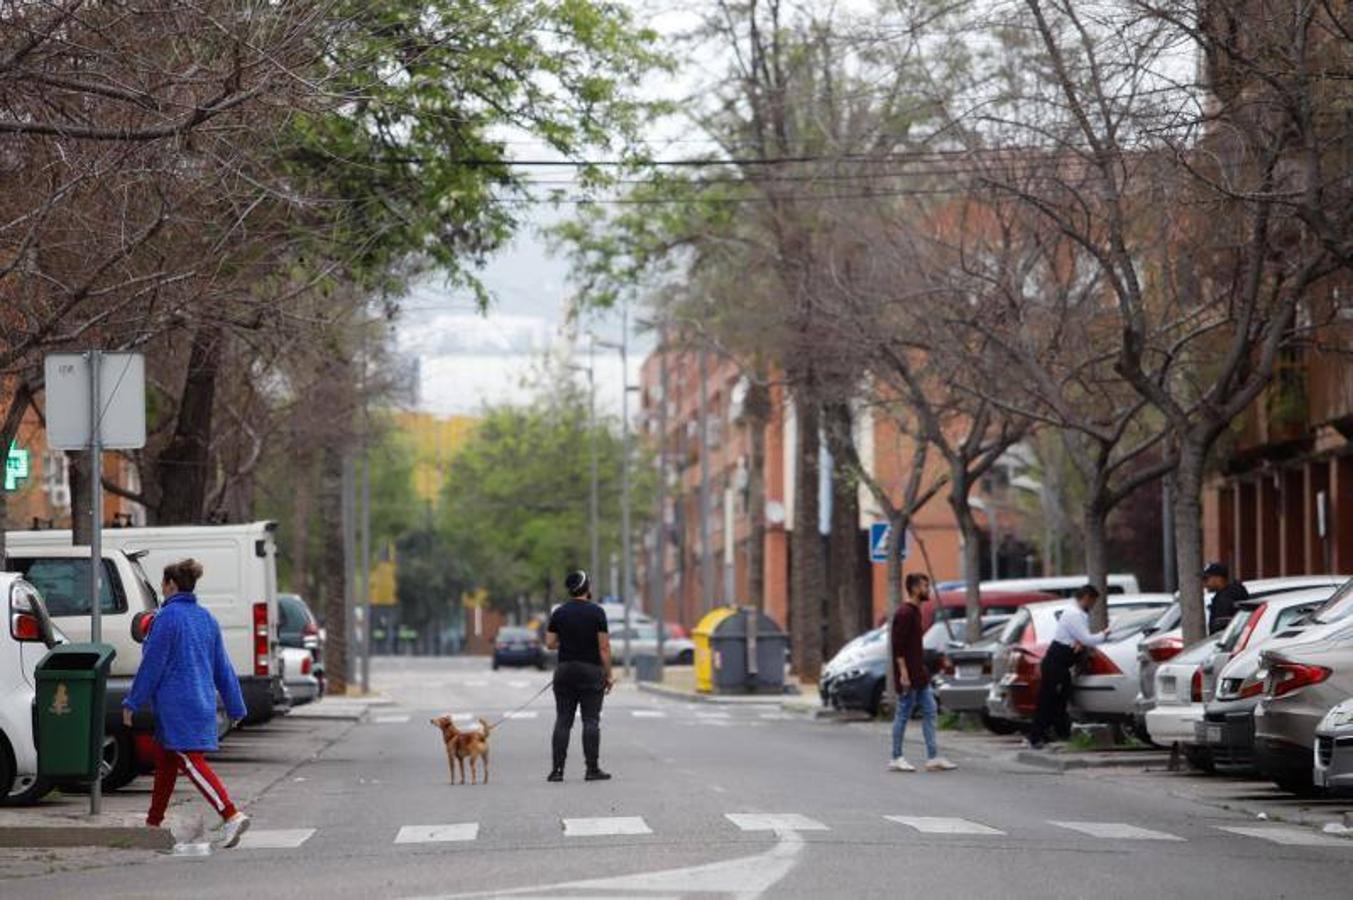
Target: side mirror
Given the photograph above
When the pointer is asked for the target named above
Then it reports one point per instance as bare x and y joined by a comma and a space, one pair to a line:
141, 623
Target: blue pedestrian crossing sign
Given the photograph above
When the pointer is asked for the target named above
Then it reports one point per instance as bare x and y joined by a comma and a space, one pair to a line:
879, 535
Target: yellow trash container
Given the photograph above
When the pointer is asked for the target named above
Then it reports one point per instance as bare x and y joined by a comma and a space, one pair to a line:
704, 658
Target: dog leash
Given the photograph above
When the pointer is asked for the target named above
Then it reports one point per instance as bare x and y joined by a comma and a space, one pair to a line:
512, 712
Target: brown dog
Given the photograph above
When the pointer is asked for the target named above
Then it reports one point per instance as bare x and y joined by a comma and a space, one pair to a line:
461, 745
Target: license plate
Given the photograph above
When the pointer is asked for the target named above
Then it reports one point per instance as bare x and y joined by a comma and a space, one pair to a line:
1212, 734
1167, 686
970, 671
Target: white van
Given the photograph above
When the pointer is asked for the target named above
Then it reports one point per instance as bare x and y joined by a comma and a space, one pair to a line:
238, 586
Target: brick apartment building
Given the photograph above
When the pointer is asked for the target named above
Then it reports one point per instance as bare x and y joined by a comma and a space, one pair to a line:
883, 449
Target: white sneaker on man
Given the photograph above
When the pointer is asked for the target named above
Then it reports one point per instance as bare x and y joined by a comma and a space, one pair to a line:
233, 830
901, 765
939, 764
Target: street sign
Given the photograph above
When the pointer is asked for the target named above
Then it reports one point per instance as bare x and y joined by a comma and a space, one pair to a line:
122, 400
879, 533
16, 467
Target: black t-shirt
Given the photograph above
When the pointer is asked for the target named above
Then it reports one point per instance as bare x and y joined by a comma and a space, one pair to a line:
578, 622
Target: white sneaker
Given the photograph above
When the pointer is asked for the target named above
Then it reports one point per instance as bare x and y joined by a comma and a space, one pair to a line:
939, 764
901, 765
233, 830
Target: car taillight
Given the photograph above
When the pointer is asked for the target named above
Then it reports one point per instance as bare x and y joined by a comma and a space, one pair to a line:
310, 629
25, 627
501, 646
1164, 649
1251, 688
1098, 663
1286, 677
1196, 685
1250, 624
261, 666
307, 666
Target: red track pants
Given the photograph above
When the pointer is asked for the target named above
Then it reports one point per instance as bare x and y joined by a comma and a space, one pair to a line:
168, 765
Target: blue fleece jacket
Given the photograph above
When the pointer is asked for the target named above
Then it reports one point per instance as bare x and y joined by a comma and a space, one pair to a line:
183, 666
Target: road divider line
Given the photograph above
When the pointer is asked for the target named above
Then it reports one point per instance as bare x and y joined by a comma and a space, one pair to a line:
605, 826
1286, 835
390, 720
275, 839
1119, 831
943, 825
434, 834
774, 822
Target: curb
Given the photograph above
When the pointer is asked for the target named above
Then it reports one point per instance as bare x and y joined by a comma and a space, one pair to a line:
724, 699
1068, 763
118, 837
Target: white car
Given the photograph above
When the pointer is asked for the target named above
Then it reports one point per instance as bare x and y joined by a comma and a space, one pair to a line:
298, 674
1106, 683
23, 643
1180, 700
643, 641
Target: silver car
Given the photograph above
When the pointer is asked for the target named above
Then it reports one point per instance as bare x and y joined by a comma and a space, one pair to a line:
1334, 748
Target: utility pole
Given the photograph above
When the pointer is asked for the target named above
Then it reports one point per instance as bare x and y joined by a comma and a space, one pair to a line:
95, 537
366, 571
657, 578
706, 551
593, 501
626, 551
349, 526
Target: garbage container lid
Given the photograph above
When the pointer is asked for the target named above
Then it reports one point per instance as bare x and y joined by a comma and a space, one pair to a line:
712, 619
77, 658
735, 624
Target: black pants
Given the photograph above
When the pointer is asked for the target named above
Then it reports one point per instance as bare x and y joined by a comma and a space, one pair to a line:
578, 684
1054, 691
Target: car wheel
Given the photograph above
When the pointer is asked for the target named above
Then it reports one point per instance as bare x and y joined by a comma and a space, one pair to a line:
27, 791
1200, 758
495, 665
6, 766
1298, 783
120, 756
685, 658
998, 726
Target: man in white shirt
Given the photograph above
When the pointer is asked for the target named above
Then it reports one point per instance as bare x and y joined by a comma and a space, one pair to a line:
1072, 634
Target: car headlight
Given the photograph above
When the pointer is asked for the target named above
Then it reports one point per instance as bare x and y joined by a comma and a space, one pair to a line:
1338, 718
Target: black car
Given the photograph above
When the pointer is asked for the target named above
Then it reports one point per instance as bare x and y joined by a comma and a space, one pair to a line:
515, 646
298, 627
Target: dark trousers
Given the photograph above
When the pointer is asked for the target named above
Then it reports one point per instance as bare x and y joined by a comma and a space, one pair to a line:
578, 684
1054, 691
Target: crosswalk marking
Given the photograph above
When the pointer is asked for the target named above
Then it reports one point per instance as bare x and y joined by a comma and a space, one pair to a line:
1279, 834
275, 839
518, 684
390, 720
605, 825
648, 714
712, 715
774, 822
943, 825
432, 834
775, 716
523, 714
1117, 831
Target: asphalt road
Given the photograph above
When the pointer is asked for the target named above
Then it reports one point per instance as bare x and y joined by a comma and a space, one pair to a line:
706, 801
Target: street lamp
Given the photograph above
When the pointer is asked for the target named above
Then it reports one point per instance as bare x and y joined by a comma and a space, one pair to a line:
627, 564
593, 516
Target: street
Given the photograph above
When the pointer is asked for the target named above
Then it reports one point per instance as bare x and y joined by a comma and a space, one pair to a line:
708, 800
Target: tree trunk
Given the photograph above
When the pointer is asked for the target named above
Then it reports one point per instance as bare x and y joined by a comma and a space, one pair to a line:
1096, 527
1188, 531
300, 524
81, 500
756, 411
808, 581
843, 552
333, 568
183, 467
959, 489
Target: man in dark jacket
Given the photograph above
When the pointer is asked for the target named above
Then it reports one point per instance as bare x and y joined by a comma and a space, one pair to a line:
912, 679
1226, 598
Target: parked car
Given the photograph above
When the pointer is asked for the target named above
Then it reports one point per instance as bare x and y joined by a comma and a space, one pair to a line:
518, 646
1106, 684
1227, 728
298, 674
857, 677
298, 627
1165, 638
643, 641
27, 637
60, 572
239, 587
1334, 749
1179, 696
1302, 683
1013, 695
1064, 586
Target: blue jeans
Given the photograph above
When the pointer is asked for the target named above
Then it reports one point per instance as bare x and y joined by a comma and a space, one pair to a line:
906, 702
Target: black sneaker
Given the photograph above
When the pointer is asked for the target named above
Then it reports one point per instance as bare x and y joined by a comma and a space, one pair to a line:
556, 775
597, 775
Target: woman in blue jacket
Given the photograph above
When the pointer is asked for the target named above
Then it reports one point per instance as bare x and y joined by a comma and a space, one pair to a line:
183, 667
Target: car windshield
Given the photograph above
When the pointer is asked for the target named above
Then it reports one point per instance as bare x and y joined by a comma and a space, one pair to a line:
1012, 630
515, 634
143, 581
1231, 636
1337, 607
1169, 619
1129, 622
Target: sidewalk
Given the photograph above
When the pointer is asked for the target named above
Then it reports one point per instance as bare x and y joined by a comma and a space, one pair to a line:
250, 761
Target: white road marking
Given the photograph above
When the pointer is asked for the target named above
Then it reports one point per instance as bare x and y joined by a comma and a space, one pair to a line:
718, 789
748, 878
648, 714
275, 839
518, 684
523, 714
774, 822
943, 825
1296, 837
1117, 831
606, 825
390, 720
434, 834
464, 717
712, 715
775, 717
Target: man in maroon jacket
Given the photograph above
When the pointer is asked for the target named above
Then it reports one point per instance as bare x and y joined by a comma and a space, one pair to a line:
912, 679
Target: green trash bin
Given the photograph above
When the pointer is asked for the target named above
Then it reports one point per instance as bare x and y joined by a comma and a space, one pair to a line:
72, 681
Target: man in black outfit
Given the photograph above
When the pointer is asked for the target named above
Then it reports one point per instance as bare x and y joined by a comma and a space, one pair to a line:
1227, 595
578, 630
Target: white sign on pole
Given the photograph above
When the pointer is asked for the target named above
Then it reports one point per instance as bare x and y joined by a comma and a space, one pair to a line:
122, 401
